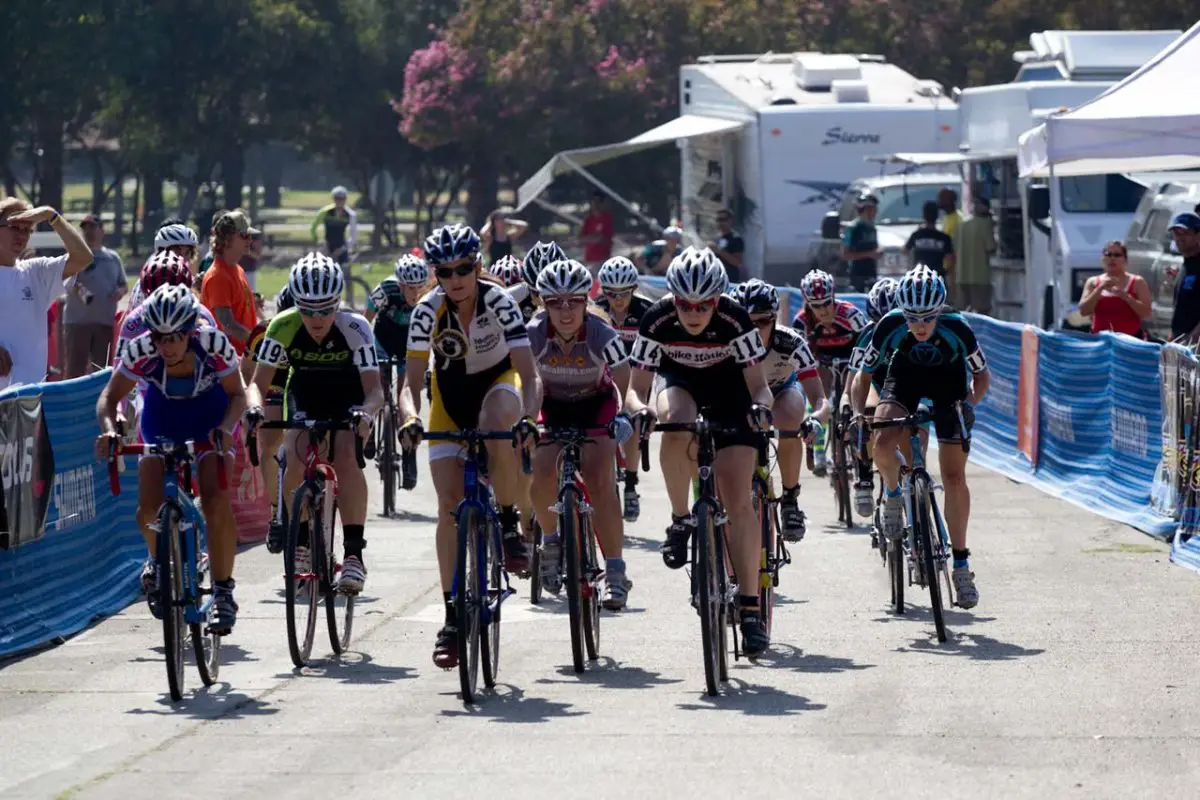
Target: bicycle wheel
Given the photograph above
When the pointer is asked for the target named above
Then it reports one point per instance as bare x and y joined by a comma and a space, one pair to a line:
711, 598
206, 645
467, 580
490, 639
535, 566
897, 574
767, 576
941, 549
301, 590
568, 529
849, 476
924, 530
170, 593
591, 593
389, 462
336, 603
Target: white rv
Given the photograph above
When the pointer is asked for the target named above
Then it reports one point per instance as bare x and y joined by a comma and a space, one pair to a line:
777, 139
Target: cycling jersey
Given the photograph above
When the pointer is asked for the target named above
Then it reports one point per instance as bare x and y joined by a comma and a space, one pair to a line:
134, 325
584, 369
325, 380
524, 298
336, 221
627, 327
837, 340
788, 359
392, 313
214, 354
858, 356
278, 376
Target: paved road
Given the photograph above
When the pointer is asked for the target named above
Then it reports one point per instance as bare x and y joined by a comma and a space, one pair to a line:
1075, 677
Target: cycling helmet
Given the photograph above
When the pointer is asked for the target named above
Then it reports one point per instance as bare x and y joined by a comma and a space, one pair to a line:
866, 199
564, 278
672, 232
697, 275
451, 243
817, 287
537, 258
618, 274
758, 297
170, 309
316, 281
882, 298
338, 191
284, 300
175, 236
921, 291
412, 270
508, 270
164, 268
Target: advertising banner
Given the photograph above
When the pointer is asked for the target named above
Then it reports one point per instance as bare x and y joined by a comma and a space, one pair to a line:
27, 467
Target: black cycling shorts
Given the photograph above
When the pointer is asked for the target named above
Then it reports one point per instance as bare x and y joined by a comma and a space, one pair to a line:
724, 406
942, 388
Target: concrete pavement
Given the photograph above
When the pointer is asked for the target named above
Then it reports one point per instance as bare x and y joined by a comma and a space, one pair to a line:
1074, 677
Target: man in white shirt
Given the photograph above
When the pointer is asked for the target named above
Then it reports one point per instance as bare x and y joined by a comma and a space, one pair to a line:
29, 286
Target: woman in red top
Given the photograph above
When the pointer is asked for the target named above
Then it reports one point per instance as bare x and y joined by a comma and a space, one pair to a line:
1116, 300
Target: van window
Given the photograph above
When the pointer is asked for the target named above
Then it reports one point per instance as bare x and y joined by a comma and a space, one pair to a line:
1100, 194
902, 205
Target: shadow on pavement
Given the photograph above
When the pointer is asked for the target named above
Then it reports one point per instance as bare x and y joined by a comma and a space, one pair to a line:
611, 674
210, 702
954, 618
783, 600
230, 654
639, 543
352, 668
507, 703
786, 656
834, 528
410, 516
753, 700
971, 645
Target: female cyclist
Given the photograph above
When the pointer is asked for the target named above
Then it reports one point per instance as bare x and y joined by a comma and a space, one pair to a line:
585, 377
193, 391
484, 377
163, 268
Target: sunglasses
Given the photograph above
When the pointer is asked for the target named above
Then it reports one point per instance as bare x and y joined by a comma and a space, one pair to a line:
818, 305
621, 295
317, 312
461, 270
1114, 254
169, 338
922, 319
764, 321
564, 303
702, 307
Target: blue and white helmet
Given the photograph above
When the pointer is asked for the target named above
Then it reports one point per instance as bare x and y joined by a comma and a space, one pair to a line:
882, 298
697, 275
757, 297
921, 291
561, 278
618, 274
171, 309
508, 270
412, 270
449, 243
536, 260
316, 281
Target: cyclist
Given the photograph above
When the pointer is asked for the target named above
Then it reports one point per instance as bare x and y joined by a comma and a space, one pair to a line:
619, 299
536, 259
508, 269
585, 377
193, 390
334, 376
880, 300
927, 351
391, 303
177, 239
709, 355
162, 268
341, 226
483, 377
792, 375
831, 327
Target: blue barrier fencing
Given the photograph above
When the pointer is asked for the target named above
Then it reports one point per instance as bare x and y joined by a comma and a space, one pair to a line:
994, 439
83, 561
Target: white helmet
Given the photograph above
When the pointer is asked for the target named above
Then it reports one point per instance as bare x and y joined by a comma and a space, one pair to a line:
412, 270
921, 291
175, 236
170, 309
617, 274
673, 232
697, 275
507, 269
564, 278
316, 281
338, 191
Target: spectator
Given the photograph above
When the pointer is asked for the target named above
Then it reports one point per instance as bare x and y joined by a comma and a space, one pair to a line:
729, 247
929, 246
860, 244
498, 232
253, 255
1185, 322
948, 202
596, 232
1116, 300
91, 304
225, 290
655, 257
28, 287
974, 245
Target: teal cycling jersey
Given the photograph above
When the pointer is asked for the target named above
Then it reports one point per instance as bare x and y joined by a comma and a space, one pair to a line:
392, 314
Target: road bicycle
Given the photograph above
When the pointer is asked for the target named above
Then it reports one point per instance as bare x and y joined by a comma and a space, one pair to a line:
314, 501
395, 468
842, 453
774, 553
182, 579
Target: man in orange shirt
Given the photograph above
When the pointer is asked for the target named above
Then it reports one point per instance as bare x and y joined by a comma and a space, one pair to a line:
225, 290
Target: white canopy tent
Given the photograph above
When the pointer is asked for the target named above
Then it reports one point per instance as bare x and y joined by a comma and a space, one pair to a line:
1148, 122
685, 127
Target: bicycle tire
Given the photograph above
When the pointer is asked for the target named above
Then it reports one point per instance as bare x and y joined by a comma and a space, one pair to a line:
466, 603
206, 645
767, 577
170, 590
591, 594
352, 282
943, 551
388, 463
535, 566
897, 573
849, 468
568, 530
339, 640
300, 646
490, 639
924, 529
711, 623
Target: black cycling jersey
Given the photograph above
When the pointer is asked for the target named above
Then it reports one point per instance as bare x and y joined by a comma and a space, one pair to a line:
627, 327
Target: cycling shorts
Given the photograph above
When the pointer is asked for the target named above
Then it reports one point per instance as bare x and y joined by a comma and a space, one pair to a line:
590, 412
440, 418
729, 408
390, 339
178, 421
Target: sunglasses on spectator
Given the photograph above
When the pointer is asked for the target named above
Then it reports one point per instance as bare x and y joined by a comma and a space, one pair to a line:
922, 319
703, 307
462, 270
308, 311
564, 303
1114, 254
763, 320
618, 295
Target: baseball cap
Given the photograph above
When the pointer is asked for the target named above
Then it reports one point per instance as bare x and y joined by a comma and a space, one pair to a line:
1187, 220
91, 219
240, 221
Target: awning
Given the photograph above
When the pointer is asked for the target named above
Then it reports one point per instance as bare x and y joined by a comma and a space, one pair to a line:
686, 127
942, 159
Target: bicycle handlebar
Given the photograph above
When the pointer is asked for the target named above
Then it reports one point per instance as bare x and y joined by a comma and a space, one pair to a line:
184, 452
